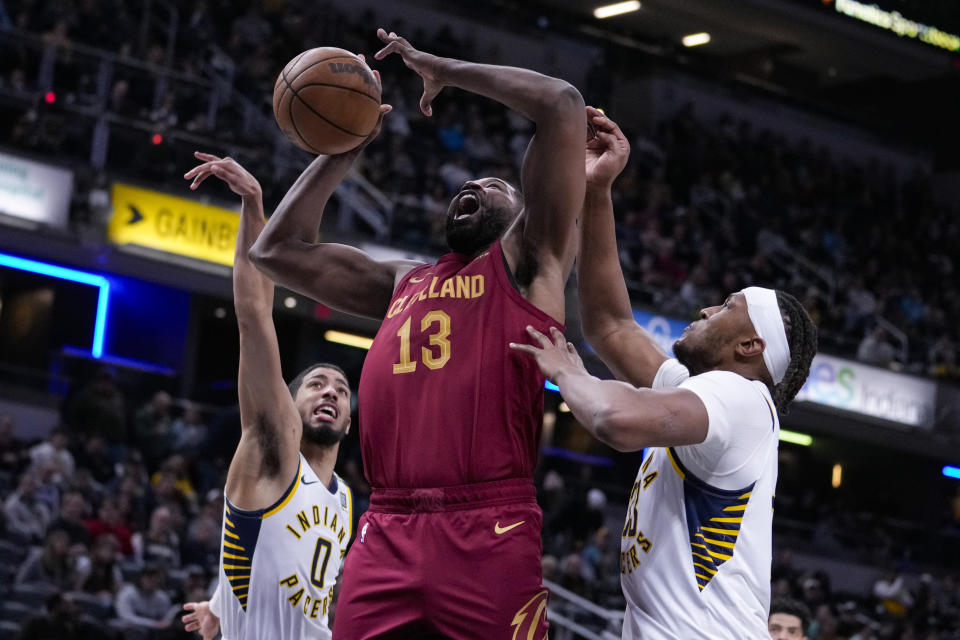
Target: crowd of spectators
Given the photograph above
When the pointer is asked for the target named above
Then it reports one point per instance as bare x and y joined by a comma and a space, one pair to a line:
703, 208
898, 607
116, 516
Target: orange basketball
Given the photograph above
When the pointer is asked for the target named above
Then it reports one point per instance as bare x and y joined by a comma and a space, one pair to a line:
326, 100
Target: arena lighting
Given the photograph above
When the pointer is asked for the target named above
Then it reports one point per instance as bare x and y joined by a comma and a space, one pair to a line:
156, 139
349, 339
695, 39
793, 437
610, 10
289, 302
951, 472
549, 386
564, 407
837, 478
49, 97
81, 277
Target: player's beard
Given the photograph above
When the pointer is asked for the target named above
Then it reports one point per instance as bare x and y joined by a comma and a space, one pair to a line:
698, 358
472, 238
323, 435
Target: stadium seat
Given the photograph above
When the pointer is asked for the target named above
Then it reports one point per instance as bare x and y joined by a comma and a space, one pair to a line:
33, 595
11, 554
92, 605
15, 612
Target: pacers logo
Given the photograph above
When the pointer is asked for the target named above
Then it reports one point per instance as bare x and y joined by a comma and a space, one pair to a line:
530, 616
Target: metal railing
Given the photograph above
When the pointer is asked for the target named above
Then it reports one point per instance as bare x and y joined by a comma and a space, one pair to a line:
79, 81
903, 342
576, 617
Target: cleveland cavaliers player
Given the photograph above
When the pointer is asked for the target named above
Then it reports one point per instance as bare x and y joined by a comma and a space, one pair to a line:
450, 417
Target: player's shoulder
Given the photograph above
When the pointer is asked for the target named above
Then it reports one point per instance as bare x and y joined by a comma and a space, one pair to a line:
731, 392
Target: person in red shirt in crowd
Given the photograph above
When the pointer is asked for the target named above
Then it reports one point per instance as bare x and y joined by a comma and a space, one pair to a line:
110, 520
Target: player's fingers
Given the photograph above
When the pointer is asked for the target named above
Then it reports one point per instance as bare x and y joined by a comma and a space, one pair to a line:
603, 123
206, 157
382, 34
558, 339
197, 169
205, 167
385, 109
524, 348
193, 626
539, 337
190, 606
200, 178
393, 47
607, 125
425, 101
608, 139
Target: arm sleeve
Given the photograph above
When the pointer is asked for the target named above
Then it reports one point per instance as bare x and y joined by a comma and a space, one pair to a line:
670, 374
215, 601
742, 426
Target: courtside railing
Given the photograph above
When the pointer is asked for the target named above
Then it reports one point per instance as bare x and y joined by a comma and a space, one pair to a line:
573, 616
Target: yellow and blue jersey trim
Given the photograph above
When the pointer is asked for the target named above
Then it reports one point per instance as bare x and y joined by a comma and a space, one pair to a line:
241, 529
714, 518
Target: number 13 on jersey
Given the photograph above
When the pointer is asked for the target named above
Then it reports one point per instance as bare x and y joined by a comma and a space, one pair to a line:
436, 324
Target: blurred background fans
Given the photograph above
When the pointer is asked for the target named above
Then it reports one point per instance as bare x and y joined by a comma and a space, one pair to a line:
804, 144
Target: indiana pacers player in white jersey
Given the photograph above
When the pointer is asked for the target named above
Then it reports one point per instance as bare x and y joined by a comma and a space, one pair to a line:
696, 544
287, 515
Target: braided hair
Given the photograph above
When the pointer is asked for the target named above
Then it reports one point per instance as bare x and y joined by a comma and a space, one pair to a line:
802, 337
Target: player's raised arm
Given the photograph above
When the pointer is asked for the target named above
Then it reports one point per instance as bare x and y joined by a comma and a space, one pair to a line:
330, 273
605, 313
542, 247
268, 454
618, 414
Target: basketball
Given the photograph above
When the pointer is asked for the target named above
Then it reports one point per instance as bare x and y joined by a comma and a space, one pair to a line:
326, 100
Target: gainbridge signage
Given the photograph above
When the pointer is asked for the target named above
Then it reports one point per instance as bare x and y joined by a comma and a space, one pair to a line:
173, 225
852, 386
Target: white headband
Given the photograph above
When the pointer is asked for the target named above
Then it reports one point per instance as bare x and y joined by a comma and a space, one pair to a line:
765, 315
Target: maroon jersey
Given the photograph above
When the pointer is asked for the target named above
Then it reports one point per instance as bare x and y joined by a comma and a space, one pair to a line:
443, 399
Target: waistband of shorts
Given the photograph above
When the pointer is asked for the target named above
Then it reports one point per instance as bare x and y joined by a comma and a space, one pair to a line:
456, 498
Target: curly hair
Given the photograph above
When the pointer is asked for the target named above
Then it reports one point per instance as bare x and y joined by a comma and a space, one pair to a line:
802, 337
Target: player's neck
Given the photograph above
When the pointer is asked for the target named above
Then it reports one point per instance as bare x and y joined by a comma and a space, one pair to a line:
321, 459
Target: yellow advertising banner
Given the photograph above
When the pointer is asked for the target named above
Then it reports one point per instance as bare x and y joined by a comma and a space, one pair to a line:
175, 225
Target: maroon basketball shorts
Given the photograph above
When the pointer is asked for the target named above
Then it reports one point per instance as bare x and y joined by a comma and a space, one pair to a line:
456, 562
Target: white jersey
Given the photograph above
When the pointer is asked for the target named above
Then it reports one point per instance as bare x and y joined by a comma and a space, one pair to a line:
696, 548
278, 565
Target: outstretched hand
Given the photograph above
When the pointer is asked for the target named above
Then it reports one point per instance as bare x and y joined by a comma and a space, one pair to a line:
240, 181
424, 64
553, 356
607, 152
201, 620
